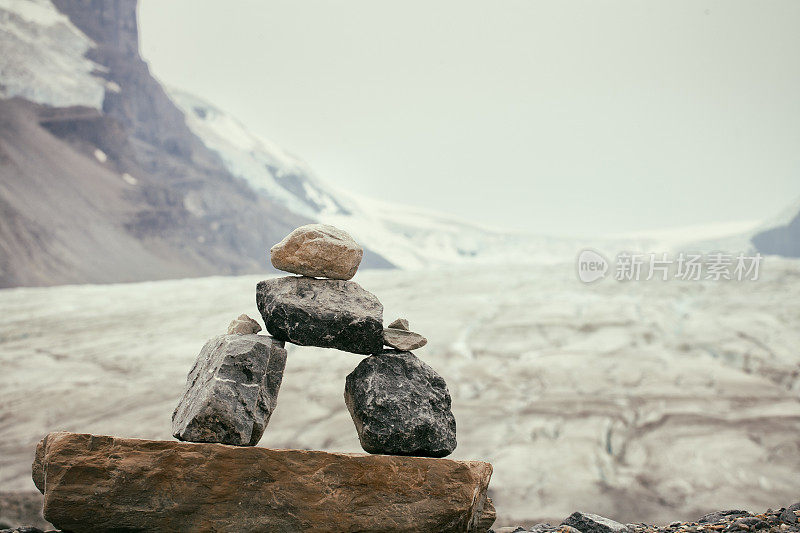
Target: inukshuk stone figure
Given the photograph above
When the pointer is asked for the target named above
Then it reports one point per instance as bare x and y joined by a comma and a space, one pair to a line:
399, 405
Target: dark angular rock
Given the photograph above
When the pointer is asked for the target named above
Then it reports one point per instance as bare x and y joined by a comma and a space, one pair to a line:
322, 312
788, 515
749, 523
400, 406
592, 523
543, 528
231, 390
716, 516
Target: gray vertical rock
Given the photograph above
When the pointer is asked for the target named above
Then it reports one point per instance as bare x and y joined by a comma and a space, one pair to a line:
400, 406
231, 390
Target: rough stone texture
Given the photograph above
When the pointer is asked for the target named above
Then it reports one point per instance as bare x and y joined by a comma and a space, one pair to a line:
400, 323
592, 523
318, 250
488, 516
96, 483
538, 528
231, 390
403, 340
716, 516
789, 516
243, 325
400, 406
322, 312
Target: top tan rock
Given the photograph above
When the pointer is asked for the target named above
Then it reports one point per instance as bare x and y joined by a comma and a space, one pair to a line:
319, 251
95, 483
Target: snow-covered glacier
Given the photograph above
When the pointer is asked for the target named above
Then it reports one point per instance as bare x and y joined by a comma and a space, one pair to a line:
643, 401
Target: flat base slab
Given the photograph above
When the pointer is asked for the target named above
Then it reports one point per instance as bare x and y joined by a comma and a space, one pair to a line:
97, 483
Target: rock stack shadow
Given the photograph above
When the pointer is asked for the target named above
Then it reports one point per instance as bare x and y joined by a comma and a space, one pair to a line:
213, 478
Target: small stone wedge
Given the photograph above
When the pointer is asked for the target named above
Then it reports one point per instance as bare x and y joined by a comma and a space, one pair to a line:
243, 325
322, 312
403, 340
231, 390
399, 323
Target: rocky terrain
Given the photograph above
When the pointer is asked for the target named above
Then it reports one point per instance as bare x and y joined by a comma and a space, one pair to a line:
101, 180
644, 402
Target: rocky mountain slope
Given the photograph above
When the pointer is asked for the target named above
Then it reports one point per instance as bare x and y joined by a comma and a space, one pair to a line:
406, 236
102, 180
141, 184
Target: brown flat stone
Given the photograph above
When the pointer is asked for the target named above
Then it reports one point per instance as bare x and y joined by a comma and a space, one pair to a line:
97, 483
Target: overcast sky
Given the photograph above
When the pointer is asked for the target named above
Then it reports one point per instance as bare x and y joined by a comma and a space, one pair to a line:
548, 116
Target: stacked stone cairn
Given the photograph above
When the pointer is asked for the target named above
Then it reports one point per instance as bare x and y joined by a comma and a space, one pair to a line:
217, 480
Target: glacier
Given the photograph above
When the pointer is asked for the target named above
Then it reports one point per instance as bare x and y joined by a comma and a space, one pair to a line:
645, 401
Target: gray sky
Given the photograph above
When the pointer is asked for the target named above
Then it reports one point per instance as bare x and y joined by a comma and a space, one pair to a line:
549, 116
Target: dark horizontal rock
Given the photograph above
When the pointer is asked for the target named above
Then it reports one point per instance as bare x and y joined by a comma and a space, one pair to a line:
322, 312
716, 516
400, 406
22, 529
592, 523
97, 484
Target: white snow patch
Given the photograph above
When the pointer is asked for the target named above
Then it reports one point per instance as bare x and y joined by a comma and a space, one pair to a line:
100, 155
265, 166
43, 57
130, 180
